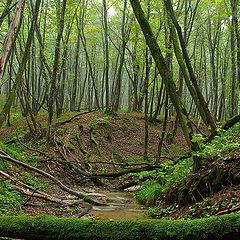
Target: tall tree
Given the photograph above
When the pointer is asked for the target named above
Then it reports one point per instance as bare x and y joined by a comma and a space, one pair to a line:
205, 112
163, 69
106, 73
22, 66
55, 72
10, 36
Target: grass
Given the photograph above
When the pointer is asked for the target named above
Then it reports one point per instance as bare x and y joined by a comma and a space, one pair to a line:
162, 179
149, 193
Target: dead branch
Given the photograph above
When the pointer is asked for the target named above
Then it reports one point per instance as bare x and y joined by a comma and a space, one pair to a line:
80, 195
75, 116
35, 150
227, 211
33, 193
231, 122
124, 172
37, 195
85, 211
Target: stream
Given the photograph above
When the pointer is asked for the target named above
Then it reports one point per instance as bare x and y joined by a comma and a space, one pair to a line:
120, 206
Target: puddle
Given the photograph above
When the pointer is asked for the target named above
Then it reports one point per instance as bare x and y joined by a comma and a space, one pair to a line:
120, 205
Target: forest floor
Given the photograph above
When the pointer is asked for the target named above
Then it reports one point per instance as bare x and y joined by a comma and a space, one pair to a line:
101, 145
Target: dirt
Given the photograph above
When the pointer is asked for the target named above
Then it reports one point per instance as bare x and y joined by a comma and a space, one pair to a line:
108, 142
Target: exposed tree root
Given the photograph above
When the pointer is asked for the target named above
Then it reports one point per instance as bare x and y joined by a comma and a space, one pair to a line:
204, 183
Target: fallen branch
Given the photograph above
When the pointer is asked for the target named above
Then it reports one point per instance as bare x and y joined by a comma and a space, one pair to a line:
85, 211
227, 211
37, 195
231, 122
33, 193
124, 172
75, 116
35, 150
80, 195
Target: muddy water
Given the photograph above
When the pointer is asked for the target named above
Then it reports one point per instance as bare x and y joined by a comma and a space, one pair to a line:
120, 205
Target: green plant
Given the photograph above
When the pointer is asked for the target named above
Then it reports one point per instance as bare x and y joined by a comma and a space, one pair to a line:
222, 144
149, 193
10, 199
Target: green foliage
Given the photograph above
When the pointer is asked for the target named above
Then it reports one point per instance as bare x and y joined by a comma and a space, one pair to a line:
224, 227
18, 151
19, 131
34, 181
197, 137
222, 145
149, 193
10, 199
164, 178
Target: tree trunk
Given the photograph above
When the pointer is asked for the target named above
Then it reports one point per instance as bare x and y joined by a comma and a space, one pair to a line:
163, 69
53, 88
10, 36
22, 66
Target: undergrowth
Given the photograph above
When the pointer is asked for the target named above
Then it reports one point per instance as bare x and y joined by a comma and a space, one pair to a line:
223, 148
162, 179
10, 199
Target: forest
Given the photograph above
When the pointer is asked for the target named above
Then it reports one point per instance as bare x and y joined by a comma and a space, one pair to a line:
120, 119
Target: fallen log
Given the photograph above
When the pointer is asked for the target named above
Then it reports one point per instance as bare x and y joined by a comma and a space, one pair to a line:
225, 227
231, 122
33, 193
80, 195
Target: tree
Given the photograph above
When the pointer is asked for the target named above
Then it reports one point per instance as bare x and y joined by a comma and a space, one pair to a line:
163, 69
53, 87
10, 35
22, 66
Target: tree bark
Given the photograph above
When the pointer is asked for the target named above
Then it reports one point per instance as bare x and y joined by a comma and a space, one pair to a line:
22, 66
10, 36
163, 69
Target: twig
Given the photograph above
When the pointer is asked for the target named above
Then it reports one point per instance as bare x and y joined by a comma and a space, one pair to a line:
75, 116
81, 195
35, 150
227, 211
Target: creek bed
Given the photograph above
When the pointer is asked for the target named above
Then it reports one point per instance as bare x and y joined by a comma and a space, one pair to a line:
120, 205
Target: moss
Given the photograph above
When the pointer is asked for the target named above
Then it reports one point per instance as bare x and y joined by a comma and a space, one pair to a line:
100, 123
224, 227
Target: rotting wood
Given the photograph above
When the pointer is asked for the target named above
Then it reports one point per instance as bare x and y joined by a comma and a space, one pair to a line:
80, 195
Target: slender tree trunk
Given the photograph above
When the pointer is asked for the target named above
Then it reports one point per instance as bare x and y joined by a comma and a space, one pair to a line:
53, 88
10, 36
163, 69
203, 103
106, 72
6, 11
18, 81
